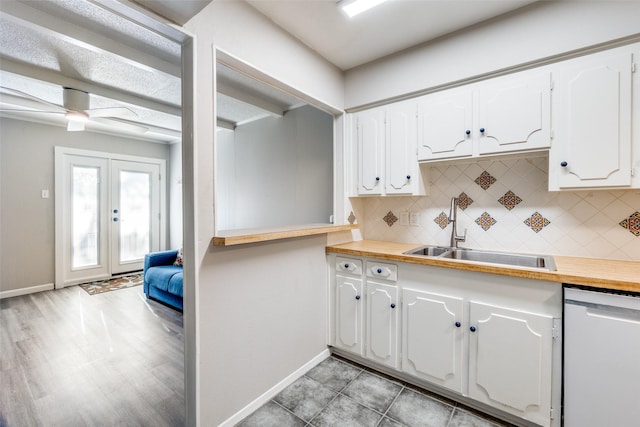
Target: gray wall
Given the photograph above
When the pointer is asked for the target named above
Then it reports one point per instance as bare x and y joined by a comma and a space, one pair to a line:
276, 171
27, 168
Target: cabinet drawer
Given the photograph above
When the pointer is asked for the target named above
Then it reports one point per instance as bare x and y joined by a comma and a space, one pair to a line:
382, 270
349, 266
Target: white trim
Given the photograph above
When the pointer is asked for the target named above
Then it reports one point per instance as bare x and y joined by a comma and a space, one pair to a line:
25, 291
273, 391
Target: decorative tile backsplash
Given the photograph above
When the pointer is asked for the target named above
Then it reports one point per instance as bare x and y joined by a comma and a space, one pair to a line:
504, 204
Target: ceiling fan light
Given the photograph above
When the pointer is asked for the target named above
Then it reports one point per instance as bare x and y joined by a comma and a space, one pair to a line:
355, 7
76, 116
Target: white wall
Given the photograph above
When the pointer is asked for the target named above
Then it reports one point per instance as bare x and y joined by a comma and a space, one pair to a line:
228, 275
540, 31
27, 227
174, 184
282, 171
263, 315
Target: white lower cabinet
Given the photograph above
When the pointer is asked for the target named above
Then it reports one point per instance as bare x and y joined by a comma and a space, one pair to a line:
432, 337
382, 323
489, 339
510, 360
348, 313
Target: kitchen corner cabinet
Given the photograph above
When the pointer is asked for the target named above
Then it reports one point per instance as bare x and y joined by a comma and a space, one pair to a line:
378, 322
592, 116
348, 305
501, 115
386, 151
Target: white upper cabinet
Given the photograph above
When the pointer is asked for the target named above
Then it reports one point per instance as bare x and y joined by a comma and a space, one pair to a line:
501, 115
592, 116
514, 113
445, 123
370, 145
386, 151
401, 162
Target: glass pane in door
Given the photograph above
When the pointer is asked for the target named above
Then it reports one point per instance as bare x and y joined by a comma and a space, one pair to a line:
85, 211
135, 215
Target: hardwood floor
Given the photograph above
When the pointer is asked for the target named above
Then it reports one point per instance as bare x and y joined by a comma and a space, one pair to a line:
71, 359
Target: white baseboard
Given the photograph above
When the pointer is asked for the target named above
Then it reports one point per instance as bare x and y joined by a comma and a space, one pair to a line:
269, 394
25, 291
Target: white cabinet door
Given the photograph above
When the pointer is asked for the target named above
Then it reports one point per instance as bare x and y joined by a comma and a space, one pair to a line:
370, 143
592, 122
445, 123
505, 114
348, 313
432, 337
382, 323
510, 358
514, 113
400, 142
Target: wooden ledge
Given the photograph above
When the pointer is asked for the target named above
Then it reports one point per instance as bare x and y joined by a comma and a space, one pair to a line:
241, 237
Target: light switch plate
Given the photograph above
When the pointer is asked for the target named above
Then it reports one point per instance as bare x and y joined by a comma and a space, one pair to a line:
404, 218
45, 194
414, 218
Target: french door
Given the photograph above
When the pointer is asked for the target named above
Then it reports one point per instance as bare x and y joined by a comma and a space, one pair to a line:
108, 214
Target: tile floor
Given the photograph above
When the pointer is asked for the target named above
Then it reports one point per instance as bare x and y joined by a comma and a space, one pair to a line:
339, 393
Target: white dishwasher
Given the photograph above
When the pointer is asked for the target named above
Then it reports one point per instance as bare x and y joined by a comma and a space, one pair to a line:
601, 359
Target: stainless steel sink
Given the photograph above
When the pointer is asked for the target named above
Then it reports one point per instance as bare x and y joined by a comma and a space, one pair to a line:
429, 250
544, 262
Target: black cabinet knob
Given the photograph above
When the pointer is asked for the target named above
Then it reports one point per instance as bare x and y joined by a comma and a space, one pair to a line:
377, 178
408, 177
357, 296
379, 270
472, 329
468, 132
115, 219
481, 130
564, 164
393, 306
346, 266
458, 324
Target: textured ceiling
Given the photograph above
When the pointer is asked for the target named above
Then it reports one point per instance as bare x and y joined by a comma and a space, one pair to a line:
45, 45
48, 45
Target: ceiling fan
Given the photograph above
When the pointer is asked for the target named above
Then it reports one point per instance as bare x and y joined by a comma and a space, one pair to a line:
76, 110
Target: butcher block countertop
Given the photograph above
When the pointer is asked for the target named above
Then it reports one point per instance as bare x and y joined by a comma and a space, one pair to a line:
257, 235
598, 273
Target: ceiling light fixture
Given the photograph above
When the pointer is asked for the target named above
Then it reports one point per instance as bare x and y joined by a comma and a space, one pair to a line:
77, 116
355, 7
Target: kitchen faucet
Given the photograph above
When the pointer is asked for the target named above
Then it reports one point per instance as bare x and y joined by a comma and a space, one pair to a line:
453, 219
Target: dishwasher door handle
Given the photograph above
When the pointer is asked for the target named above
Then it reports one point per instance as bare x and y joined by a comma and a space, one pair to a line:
610, 311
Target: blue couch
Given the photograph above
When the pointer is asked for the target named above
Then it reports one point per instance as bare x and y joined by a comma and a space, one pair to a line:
163, 279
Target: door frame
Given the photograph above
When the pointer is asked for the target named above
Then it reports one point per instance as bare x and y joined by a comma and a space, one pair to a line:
60, 229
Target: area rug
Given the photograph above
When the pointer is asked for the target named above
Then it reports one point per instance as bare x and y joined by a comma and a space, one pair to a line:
122, 282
